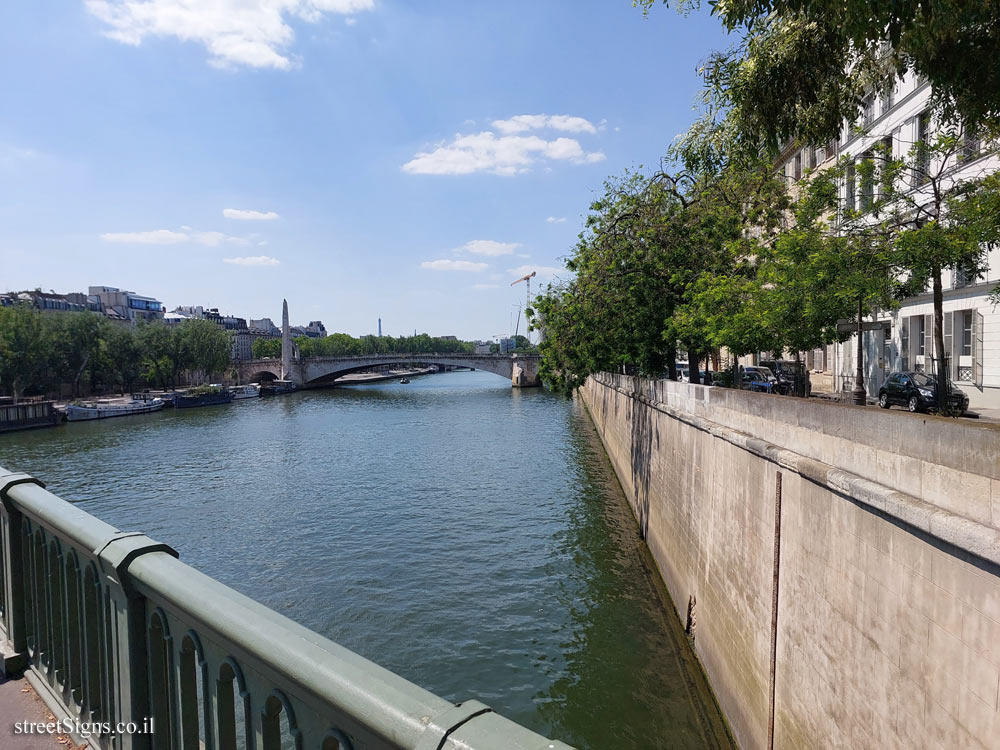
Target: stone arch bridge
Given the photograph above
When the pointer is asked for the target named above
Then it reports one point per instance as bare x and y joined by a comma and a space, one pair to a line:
315, 372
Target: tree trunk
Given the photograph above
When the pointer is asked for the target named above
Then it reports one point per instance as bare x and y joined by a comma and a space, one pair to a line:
672, 363
940, 369
79, 373
693, 375
859, 372
799, 382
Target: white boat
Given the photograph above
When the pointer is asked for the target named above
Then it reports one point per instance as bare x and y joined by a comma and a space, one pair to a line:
251, 390
108, 407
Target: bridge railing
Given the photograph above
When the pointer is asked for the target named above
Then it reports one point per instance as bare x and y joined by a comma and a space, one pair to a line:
112, 628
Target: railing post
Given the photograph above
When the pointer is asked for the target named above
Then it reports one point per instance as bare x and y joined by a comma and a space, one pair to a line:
15, 651
128, 653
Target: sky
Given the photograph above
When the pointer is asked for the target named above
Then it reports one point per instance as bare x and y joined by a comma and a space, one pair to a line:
361, 158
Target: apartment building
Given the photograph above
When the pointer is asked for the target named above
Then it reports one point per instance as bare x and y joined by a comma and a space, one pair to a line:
902, 339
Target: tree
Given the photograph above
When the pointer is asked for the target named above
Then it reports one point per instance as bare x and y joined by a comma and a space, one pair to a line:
24, 349
123, 355
76, 341
266, 348
825, 57
160, 355
202, 345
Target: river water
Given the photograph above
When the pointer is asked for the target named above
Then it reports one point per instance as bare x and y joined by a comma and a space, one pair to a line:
468, 536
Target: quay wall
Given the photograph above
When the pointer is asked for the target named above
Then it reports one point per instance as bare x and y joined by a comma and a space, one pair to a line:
839, 565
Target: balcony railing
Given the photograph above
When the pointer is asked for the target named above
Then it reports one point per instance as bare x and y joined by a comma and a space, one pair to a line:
112, 628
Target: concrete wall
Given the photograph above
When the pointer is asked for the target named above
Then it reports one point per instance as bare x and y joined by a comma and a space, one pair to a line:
888, 575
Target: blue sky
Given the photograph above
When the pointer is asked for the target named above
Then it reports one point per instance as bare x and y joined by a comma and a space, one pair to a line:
363, 158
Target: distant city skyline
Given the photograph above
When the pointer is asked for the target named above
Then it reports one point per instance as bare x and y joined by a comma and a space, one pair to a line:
363, 159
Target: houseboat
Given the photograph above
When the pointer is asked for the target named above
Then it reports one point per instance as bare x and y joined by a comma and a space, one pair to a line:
205, 395
25, 415
106, 408
251, 390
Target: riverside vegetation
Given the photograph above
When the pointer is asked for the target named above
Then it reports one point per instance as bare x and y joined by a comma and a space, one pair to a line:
43, 352
715, 249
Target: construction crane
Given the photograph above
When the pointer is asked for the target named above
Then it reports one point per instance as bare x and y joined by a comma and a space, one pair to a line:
527, 300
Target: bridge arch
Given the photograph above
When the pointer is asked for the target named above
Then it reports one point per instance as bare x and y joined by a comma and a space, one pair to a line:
334, 375
520, 369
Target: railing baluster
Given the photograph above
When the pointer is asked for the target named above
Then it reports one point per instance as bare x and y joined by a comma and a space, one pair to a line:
74, 631
159, 684
190, 730
92, 661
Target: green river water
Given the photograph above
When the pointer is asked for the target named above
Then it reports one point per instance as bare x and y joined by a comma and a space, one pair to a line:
469, 536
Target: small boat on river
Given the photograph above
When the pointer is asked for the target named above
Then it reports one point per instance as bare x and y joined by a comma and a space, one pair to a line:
205, 395
251, 390
106, 408
278, 387
404, 381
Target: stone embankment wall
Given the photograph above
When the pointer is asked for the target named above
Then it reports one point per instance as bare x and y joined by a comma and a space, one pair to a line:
840, 564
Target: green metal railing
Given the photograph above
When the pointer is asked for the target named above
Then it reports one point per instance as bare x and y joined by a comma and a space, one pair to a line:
112, 628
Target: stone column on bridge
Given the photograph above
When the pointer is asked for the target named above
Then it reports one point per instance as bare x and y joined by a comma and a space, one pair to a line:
524, 373
286, 343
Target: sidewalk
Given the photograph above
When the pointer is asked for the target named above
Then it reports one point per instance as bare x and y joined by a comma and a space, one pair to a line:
20, 703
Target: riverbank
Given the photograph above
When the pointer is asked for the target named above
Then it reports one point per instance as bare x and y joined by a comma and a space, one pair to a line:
840, 577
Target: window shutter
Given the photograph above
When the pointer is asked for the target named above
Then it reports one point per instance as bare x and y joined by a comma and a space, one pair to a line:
948, 325
977, 349
928, 344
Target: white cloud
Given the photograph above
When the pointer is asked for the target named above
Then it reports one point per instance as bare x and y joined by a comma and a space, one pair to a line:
562, 123
485, 286
556, 220
545, 272
154, 237
453, 265
253, 260
235, 32
504, 155
248, 215
170, 237
488, 247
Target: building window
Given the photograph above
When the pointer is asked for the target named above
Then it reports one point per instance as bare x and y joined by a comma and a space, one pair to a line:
888, 97
904, 346
798, 166
970, 146
849, 180
868, 182
812, 157
967, 333
922, 165
868, 110
963, 277
921, 335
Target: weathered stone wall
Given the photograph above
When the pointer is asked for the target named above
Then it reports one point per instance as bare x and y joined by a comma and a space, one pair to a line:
888, 614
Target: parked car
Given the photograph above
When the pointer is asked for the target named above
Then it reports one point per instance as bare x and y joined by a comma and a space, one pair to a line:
755, 380
759, 373
917, 392
787, 371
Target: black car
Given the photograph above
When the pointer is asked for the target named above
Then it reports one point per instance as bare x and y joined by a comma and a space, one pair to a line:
917, 391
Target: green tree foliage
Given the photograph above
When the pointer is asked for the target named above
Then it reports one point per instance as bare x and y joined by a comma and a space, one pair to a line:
823, 56
203, 346
25, 346
41, 352
664, 260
